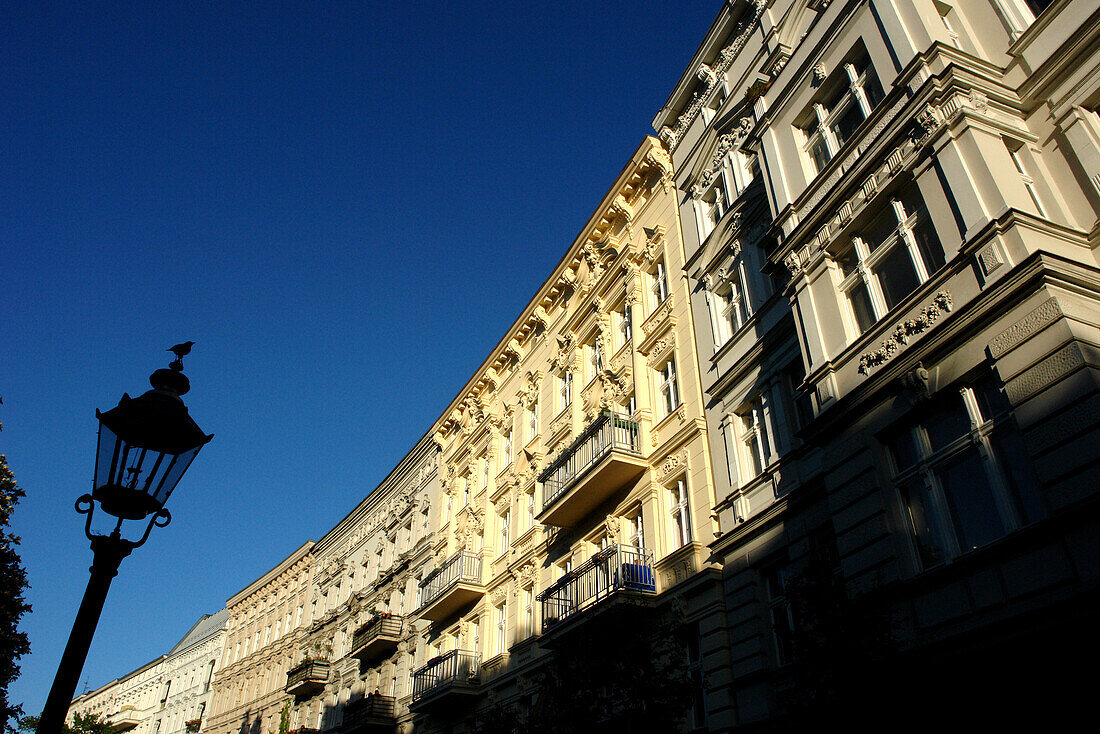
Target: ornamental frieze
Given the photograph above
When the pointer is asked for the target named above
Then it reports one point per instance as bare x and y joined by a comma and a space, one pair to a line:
903, 332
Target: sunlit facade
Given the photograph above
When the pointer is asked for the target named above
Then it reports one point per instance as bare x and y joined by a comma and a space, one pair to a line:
890, 214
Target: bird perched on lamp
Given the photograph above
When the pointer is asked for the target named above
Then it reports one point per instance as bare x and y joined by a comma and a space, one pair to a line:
181, 351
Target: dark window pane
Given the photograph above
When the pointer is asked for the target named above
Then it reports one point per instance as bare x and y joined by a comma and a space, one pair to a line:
903, 450
820, 153
931, 251
1009, 448
896, 275
970, 498
846, 124
872, 89
948, 423
861, 307
922, 522
880, 229
848, 261
991, 397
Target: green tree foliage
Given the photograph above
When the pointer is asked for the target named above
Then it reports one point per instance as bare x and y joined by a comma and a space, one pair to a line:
13, 581
88, 723
284, 719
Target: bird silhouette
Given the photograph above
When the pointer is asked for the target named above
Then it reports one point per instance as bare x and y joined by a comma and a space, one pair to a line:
181, 350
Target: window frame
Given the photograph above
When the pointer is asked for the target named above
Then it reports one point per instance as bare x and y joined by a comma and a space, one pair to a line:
658, 284
820, 132
930, 461
679, 510
869, 257
668, 387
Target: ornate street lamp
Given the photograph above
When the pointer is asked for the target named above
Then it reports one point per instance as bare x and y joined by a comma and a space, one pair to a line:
145, 446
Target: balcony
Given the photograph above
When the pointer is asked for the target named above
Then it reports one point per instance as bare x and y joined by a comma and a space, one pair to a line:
377, 637
451, 586
124, 720
307, 678
375, 713
447, 679
600, 461
621, 572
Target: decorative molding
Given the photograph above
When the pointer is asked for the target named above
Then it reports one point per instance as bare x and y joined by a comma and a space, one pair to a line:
726, 142
674, 134
899, 337
660, 349
990, 258
1045, 373
672, 466
658, 317
1042, 316
819, 72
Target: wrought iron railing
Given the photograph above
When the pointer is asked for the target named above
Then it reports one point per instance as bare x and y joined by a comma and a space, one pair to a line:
609, 431
616, 568
463, 566
388, 625
310, 670
369, 709
454, 667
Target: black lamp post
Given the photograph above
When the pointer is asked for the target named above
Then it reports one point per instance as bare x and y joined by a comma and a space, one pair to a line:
145, 445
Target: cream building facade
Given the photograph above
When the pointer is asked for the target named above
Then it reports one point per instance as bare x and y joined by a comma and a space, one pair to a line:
574, 464
188, 675
842, 318
364, 636
129, 703
890, 213
267, 623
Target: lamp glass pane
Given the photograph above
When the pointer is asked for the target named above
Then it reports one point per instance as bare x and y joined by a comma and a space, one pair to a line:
105, 456
170, 472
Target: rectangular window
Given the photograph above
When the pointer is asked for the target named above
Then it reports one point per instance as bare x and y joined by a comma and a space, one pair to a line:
505, 524
756, 449
670, 389
695, 670
779, 611
681, 517
595, 359
624, 324
1017, 153
635, 531
502, 629
565, 389
658, 284
844, 102
529, 611
728, 303
887, 258
962, 474
532, 421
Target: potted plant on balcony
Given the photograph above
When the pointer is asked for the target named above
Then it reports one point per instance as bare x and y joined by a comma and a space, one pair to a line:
193, 725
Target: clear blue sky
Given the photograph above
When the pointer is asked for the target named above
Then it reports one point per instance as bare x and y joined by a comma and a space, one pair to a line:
344, 204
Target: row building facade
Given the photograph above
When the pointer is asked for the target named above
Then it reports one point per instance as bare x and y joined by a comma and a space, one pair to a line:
806, 416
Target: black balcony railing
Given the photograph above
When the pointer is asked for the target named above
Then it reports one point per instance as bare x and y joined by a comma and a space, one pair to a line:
457, 667
374, 708
463, 566
610, 431
617, 568
307, 677
375, 632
